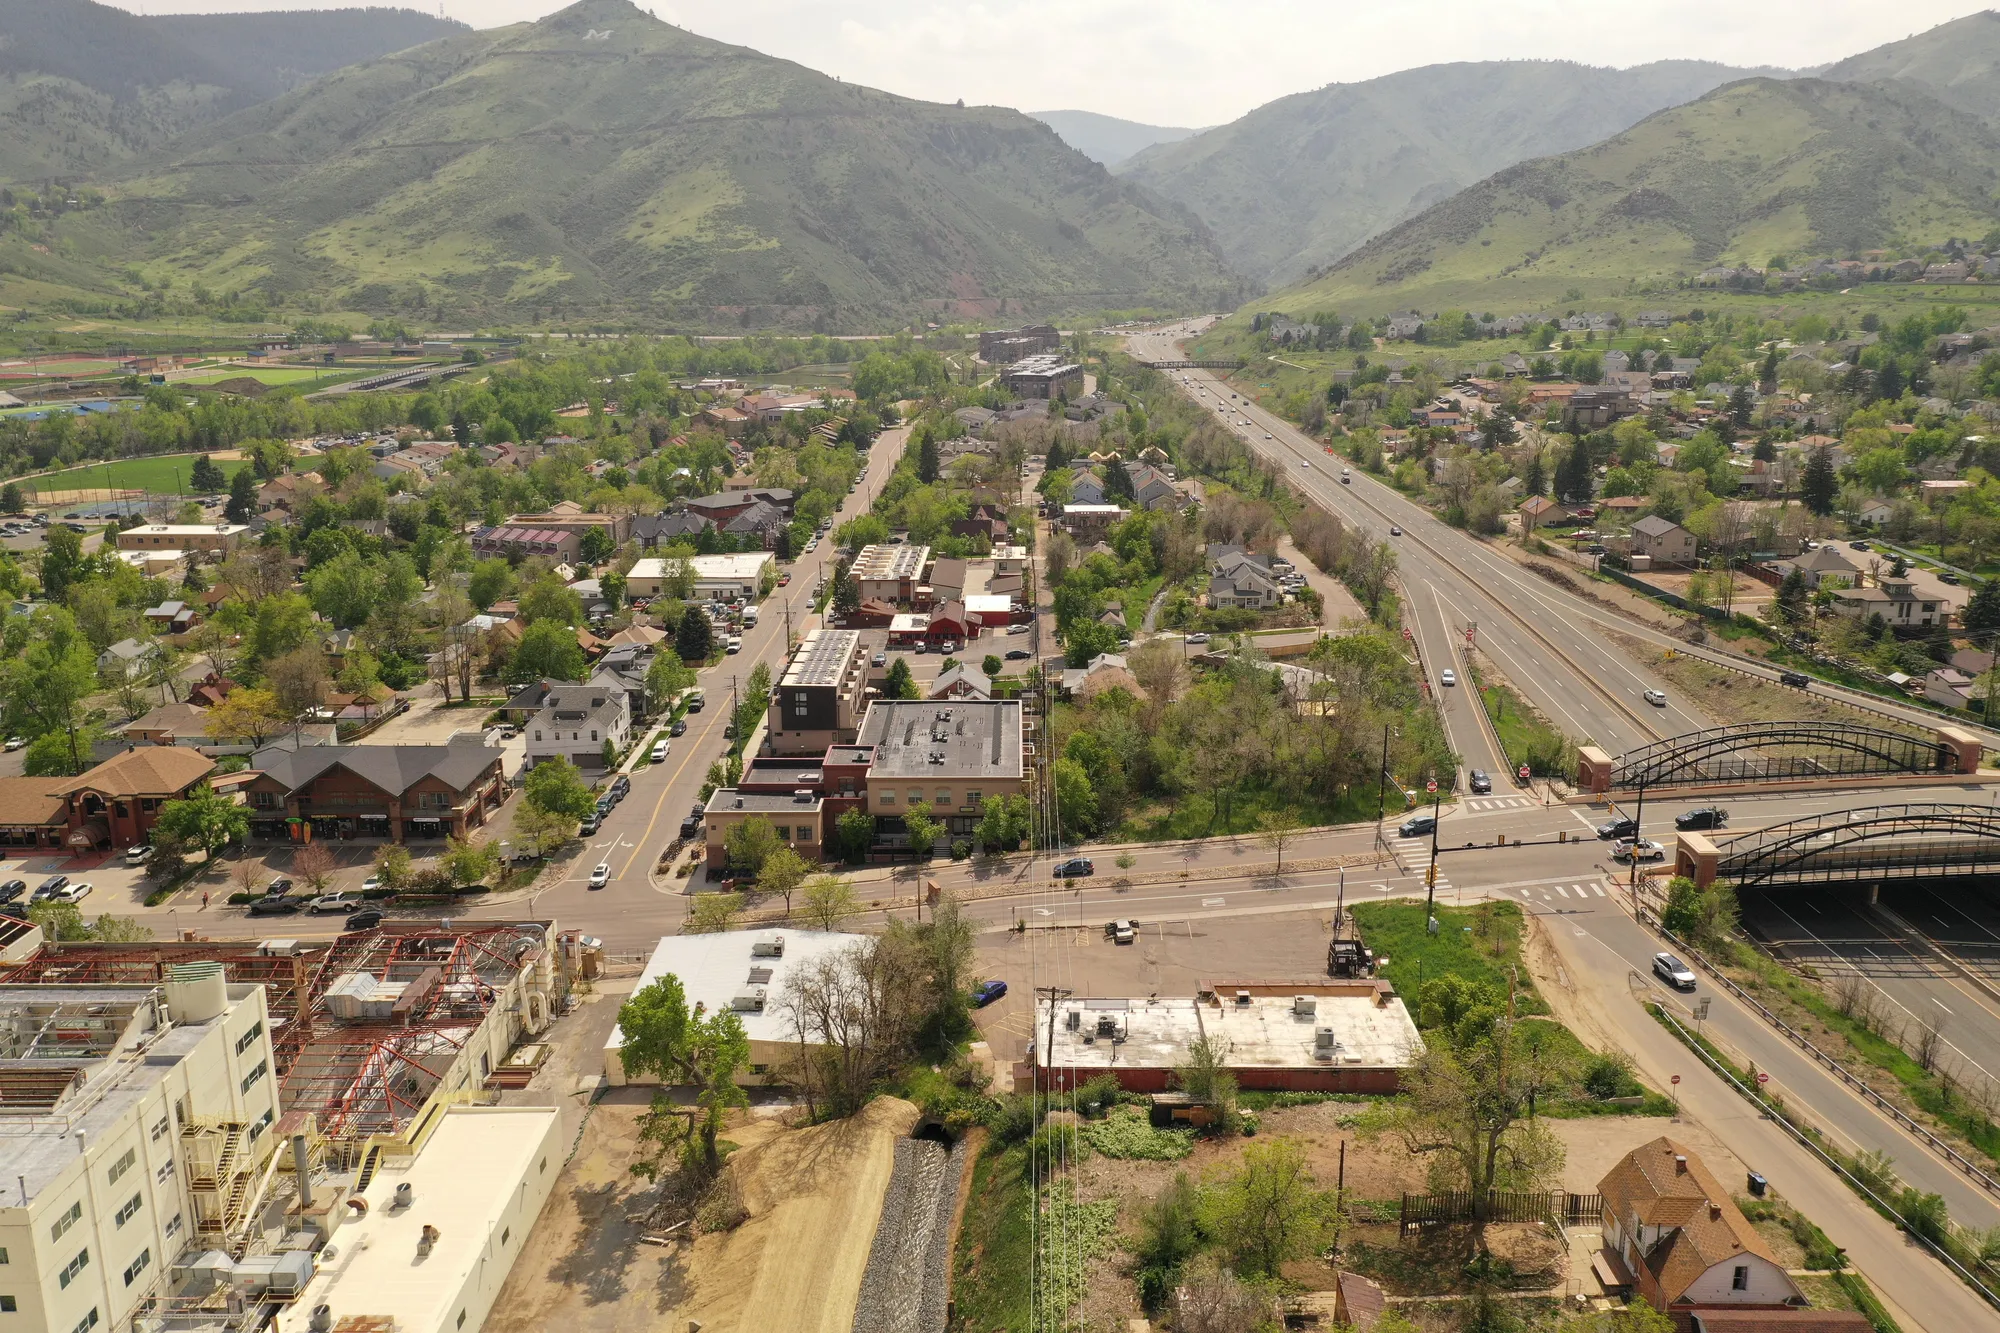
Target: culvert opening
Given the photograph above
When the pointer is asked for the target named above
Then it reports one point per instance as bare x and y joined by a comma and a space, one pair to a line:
934, 1131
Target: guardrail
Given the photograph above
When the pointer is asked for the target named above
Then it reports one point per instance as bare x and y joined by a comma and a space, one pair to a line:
1951, 1155
1812, 1145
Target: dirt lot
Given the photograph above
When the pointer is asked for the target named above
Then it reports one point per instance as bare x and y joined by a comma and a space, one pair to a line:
812, 1196
1731, 697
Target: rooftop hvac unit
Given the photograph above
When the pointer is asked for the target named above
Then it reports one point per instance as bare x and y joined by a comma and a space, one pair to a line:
1243, 997
768, 946
1073, 1020
1325, 1045
1107, 1026
1305, 1006
750, 1001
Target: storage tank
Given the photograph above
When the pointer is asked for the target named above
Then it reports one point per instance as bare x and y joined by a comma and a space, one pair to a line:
196, 992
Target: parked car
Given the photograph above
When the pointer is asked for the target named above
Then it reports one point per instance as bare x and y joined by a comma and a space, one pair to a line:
1673, 971
50, 887
1416, 826
1657, 698
621, 787
601, 875
1077, 867
1480, 783
366, 919
1948, 577
1644, 849
690, 827
986, 992
139, 855
279, 887
679, 728
14, 743
659, 752
879, 661
1121, 932
695, 701
334, 902
1017, 654
12, 889
1197, 638
588, 827
1622, 827
372, 884
275, 906
1707, 816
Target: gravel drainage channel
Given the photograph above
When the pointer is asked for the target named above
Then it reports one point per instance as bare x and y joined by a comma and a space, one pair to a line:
904, 1288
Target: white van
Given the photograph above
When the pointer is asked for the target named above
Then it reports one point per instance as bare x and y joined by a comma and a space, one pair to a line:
750, 615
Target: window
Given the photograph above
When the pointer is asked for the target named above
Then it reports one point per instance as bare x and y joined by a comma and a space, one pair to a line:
974, 798
173, 1227
3, 1250
249, 1039
138, 1266
123, 1164
1740, 1279
538, 734
505, 1234
262, 1123
166, 1170
888, 798
88, 1322
784, 832
264, 800
159, 1129
944, 796
800, 708
461, 1320
916, 798
540, 1170
73, 1267
66, 1221
127, 1210
7, 1305
249, 1080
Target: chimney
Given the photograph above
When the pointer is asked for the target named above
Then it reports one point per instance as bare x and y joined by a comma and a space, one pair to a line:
1715, 1212
302, 1168
1680, 1165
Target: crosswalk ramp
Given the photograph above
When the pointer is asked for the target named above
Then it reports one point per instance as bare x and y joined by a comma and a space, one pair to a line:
1478, 803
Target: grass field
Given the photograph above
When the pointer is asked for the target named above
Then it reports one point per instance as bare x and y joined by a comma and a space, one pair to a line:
156, 476
274, 376
27, 370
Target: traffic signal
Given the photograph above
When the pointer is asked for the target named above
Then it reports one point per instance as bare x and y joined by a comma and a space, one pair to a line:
1431, 875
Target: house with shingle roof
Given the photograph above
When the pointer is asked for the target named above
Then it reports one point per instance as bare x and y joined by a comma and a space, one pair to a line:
1675, 1227
374, 791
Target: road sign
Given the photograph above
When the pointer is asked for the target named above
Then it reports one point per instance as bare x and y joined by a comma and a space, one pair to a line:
1762, 1078
1431, 786
1677, 1080
1701, 1010
1524, 772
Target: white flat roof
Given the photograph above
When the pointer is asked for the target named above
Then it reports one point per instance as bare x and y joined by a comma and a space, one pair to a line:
1264, 1033
743, 565
465, 1176
190, 529
715, 969
652, 567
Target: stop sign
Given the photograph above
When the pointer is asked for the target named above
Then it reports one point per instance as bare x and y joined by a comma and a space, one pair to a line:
1762, 1077
1524, 772
1677, 1079
1432, 785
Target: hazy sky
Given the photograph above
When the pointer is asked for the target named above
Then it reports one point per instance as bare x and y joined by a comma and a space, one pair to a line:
1201, 62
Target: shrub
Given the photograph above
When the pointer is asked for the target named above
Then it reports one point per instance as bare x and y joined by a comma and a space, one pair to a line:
1609, 1075
243, 899
1013, 1119
961, 848
1097, 1096
1125, 1133
1052, 1146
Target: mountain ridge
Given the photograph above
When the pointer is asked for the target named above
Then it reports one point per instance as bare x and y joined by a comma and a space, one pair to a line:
1107, 139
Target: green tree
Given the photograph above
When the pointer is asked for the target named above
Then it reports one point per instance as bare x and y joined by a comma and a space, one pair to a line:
63, 562
1271, 1210
750, 843
12, 500
667, 1041
1076, 799
992, 665
48, 688
899, 683
549, 599
713, 913
666, 678
854, 831
548, 651
1470, 1108
1794, 598
1818, 486
923, 831
555, 785
927, 456
205, 819
206, 477
490, 581
469, 862
596, 546
695, 639
827, 901
783, 871
242, 506
1982, 611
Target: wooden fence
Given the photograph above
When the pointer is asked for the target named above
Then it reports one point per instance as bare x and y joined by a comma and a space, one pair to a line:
1555, 1207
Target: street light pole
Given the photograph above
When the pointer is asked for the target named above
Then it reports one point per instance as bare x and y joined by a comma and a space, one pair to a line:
1431, 876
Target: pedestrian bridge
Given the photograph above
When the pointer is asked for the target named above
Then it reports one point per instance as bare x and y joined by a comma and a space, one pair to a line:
1928, 841
1801, 754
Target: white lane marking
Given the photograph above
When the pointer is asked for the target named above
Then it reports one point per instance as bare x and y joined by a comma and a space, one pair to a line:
1213, 902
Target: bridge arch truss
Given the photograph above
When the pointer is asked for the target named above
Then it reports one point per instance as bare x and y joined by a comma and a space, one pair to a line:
1781, 752
1915, 841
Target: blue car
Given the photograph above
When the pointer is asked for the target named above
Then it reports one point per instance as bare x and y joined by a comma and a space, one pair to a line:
986, 992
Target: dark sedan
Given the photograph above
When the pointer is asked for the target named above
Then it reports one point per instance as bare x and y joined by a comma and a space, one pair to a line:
1618, 828
1708, 816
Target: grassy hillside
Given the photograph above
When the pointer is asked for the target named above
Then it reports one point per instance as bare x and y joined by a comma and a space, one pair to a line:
1958, 62
85, 87
1107, 139
1758, 169
1301, 181
600, 161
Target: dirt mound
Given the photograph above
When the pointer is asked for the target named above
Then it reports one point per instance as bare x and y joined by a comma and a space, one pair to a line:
813, 1197
243, 386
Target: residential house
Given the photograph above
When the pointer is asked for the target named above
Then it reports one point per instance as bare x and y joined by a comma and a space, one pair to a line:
652, 531
402, 468
1953, 688
1243, 580
509, 538
1090, 522
985, 520
961, 682
1152, 488
1677, 1231
1622, 507
1897, 601
1826, 562
288, 490
726, 419
172, 618
723, 506
1538, 510
1662, 541
132, 657
394, 792
577, 722
1086, 489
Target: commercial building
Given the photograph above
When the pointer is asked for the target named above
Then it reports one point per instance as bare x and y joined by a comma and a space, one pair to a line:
576, 721
136, 1121
214, 538
727, 577
569, 516
117, 803
397, 792
744, 972
797, 817
821, 698
1091, 522
435, 1233
1043, 376
889, 572
943, 758
1312, 1035
998, 346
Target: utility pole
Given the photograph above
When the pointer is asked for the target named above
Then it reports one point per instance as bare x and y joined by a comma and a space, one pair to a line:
1382, 785
1431, 875
1051, 994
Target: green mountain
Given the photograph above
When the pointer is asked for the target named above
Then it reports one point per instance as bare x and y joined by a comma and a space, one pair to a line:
1958, 62
1299, 182
1758, 169
85, 87
600, 161
1107, 139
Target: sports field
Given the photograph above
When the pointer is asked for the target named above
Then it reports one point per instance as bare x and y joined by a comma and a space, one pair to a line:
271, 375
72, 366
155, 476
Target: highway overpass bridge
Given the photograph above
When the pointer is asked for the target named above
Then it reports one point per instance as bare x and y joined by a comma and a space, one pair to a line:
1931, 841
1801, 754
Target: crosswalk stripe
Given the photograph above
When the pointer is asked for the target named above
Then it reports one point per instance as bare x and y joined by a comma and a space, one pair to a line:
1563, 891
1599, 888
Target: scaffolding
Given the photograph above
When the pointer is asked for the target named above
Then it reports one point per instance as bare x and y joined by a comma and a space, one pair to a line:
280, 967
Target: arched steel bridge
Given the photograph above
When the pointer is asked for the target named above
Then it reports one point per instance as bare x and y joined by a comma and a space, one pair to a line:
1884, 842
1195, 365
1780, 752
